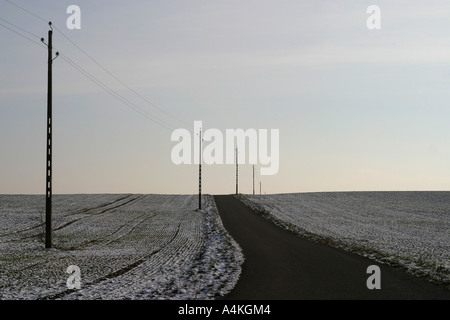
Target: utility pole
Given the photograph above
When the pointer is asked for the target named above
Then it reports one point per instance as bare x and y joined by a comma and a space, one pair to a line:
253, 179
260, 188
237, 172
200, 171
48, 183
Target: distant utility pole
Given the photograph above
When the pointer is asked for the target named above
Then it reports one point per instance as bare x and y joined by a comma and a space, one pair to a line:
48, 174
253, 179
237, 172
200, 171
260, 188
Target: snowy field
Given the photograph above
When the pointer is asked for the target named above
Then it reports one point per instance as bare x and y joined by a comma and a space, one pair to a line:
127, 246
410, 230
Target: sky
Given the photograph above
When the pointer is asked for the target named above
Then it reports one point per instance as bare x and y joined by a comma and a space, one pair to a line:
357, 109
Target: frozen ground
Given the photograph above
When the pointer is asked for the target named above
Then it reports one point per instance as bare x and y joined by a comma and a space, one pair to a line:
410, 230
127, 246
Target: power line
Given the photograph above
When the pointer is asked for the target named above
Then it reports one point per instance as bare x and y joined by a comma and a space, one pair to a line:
23, 36
117, 79
27, 11
97, 82
17, 27
116, 95
101, 66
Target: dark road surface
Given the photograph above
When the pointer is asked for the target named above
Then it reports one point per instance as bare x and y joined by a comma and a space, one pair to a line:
280, 265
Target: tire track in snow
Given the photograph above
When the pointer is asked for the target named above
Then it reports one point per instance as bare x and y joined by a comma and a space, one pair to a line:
83, 211
105, 241
116, 273
66, 224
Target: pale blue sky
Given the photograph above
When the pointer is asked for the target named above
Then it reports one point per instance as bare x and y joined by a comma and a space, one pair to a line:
357, 109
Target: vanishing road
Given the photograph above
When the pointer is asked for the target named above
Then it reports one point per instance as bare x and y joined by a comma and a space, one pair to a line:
280, 265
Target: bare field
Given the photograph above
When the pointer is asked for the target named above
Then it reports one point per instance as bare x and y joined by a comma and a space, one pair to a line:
410, 230
127, 246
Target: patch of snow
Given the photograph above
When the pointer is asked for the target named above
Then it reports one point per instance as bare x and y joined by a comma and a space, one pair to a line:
126, 246
409, 230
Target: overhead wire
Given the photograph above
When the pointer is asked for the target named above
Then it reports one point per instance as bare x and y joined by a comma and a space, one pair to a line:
20, 34
41, 45
100, 65
88, 75
117, 79
99, 83
27, 11
116, 95
17, 27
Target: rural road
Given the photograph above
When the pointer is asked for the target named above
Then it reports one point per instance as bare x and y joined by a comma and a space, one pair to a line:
280, 265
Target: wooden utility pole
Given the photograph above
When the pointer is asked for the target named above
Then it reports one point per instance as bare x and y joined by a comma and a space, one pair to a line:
237, 172
48, 202
253, 179
48, 171
200, 171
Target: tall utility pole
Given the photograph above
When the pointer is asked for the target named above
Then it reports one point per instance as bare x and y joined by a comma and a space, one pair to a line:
48, 171
253, 179
200, 171
260, 188
237, 172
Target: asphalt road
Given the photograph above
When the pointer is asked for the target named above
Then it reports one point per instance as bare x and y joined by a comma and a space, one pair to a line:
282, 266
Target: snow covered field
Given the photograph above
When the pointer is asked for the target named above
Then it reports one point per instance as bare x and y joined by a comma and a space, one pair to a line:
127, 246
410, 230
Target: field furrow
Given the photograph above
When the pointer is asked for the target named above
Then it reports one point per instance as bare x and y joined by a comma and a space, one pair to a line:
126, 246
409, 230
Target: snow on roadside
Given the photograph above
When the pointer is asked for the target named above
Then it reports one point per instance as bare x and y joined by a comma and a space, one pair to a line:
409, 230
214, 271
126, 246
